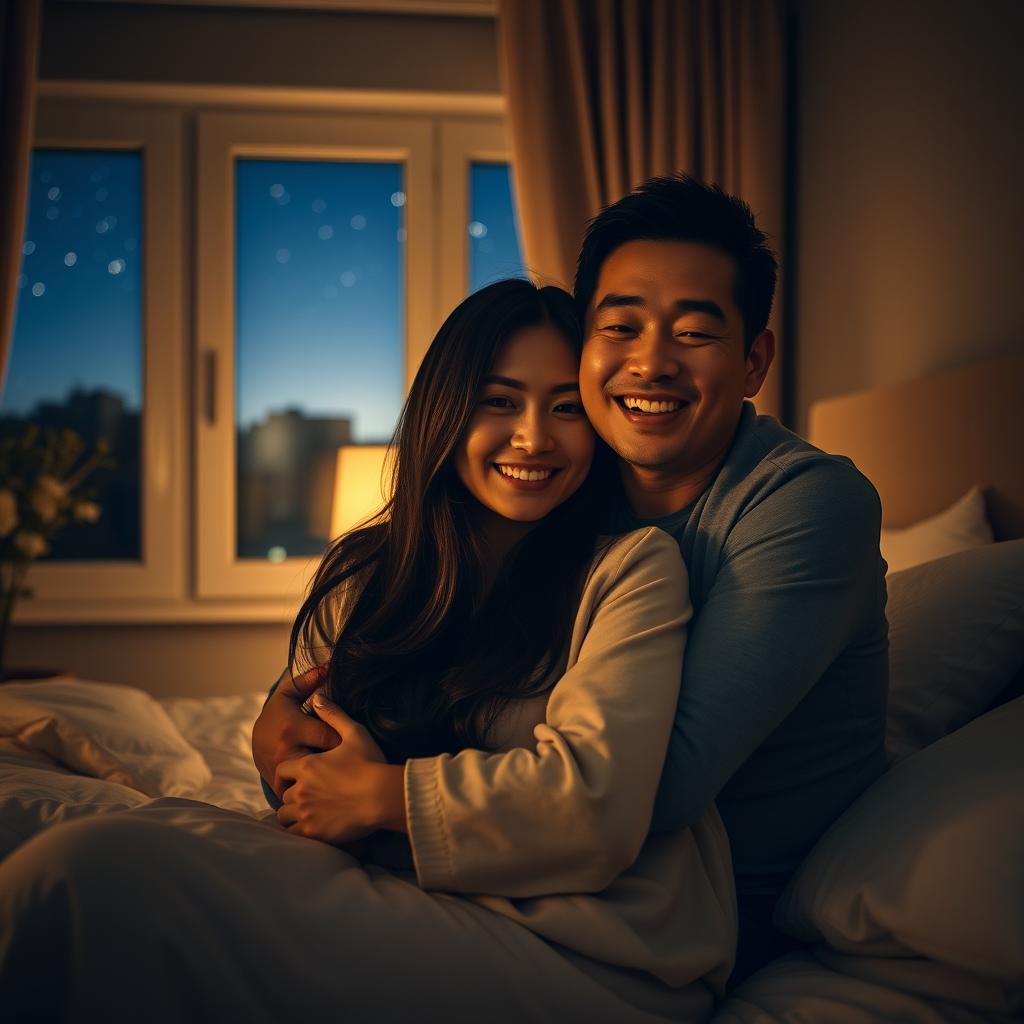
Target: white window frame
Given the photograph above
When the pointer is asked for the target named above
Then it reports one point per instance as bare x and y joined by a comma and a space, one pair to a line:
222, 138
161, 572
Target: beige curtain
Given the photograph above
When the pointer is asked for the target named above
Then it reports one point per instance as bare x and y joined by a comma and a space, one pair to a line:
20, 26
603, 94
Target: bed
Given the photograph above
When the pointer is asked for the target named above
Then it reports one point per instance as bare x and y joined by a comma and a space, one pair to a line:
911, 907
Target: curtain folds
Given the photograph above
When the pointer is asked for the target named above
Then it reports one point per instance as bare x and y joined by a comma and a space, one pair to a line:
20, 27
603, 94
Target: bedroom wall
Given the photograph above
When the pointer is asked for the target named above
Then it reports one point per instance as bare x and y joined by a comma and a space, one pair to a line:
908, 213
234, 46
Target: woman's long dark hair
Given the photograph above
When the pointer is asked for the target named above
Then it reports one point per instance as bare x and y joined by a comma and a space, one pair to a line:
427, 658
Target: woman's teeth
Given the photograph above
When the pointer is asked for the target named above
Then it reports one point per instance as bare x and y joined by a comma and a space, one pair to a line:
523, 474
645, 405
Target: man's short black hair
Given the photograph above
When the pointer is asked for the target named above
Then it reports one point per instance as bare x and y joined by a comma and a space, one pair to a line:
681, 209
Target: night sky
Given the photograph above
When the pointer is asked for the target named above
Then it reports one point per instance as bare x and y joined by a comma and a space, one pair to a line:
79, 315
318, 285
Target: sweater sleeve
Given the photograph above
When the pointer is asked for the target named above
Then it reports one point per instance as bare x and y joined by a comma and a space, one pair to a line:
571, 814
801, 575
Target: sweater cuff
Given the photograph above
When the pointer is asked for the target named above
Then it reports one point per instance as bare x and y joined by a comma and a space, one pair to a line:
428, 835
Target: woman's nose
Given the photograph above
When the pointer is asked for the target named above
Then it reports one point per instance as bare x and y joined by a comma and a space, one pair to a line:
532, 436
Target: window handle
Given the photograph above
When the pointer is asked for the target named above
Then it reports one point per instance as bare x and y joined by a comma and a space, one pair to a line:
210, 384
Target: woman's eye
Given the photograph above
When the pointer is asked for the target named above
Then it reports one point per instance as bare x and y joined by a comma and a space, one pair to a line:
617, 328
571, 408
498, 402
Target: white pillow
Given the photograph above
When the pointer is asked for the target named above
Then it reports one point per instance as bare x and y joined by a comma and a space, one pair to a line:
928, 862
956, 639
117, 733
962, 526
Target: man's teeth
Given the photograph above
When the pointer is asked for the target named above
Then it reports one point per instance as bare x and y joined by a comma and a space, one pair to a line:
524, 474
644, 405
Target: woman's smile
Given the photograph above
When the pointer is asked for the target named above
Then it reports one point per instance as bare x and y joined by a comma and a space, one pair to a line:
526, 477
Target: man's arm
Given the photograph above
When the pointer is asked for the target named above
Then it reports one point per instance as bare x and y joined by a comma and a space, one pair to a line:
800, 576
283, 730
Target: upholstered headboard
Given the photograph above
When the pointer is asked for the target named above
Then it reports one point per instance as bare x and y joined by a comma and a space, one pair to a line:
924, 443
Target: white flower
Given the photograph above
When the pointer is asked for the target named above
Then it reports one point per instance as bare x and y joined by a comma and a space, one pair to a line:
8, 512
88, 511
30, 544
52, 487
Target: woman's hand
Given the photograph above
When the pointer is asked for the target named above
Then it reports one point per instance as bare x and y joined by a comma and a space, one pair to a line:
345, 793
283, 730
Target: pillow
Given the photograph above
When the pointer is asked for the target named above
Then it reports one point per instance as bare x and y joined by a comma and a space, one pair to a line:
962, 526
956, 639
928, 862
117, 733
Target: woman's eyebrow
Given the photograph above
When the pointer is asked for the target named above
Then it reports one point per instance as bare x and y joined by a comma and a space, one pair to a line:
511, 382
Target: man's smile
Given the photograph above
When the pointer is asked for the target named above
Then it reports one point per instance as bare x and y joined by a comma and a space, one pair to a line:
651, 409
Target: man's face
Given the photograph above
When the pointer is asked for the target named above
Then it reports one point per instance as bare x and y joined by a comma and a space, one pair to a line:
663, 374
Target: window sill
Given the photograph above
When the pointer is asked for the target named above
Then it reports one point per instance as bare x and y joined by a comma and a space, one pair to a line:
119, 612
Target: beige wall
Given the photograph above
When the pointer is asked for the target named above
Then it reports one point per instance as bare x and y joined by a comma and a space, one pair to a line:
181, 660
909, 213
268, 47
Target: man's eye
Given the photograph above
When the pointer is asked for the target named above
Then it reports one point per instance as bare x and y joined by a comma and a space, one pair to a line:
498, 402
692, 334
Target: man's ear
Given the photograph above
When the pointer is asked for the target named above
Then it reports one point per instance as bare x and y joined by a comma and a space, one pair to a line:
759, 361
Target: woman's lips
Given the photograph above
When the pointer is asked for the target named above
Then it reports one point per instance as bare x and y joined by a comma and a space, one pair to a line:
527, 484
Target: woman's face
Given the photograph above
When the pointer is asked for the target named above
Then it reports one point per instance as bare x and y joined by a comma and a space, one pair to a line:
528, 445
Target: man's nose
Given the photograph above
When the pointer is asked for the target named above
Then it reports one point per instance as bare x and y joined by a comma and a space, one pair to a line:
532, 436
654, 356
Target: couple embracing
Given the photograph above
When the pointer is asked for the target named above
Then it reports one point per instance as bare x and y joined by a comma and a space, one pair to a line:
503, 649
558, 724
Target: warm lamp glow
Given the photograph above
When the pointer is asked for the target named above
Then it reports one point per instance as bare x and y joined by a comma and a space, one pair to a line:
358, 485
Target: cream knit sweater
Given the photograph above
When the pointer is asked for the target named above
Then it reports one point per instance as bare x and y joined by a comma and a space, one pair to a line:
551, 829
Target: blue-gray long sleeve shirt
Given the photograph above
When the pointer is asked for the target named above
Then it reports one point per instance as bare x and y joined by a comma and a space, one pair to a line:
781, 715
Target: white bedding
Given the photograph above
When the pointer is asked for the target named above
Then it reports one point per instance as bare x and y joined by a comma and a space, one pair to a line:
837, 981
220, 728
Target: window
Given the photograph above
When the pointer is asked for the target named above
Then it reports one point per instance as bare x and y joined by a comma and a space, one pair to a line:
322, 249
315, 303
319, 337
494, 251
76, 353
99, 347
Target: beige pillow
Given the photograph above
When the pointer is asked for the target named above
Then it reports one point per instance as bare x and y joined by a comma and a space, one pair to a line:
929, 862
962, 526
956, 639
117, 733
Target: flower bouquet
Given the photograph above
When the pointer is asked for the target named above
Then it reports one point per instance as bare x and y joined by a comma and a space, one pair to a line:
41, 476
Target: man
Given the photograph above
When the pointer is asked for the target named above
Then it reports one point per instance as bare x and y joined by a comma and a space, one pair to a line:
782, 705
782, 708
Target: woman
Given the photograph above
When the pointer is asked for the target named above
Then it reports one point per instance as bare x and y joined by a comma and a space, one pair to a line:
504, 698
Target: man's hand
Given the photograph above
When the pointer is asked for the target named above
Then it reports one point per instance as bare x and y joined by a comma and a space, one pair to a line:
284, 731
343, 794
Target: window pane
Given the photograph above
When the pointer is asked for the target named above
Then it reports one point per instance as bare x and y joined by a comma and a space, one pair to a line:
494, 251
320, 327
76, 356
